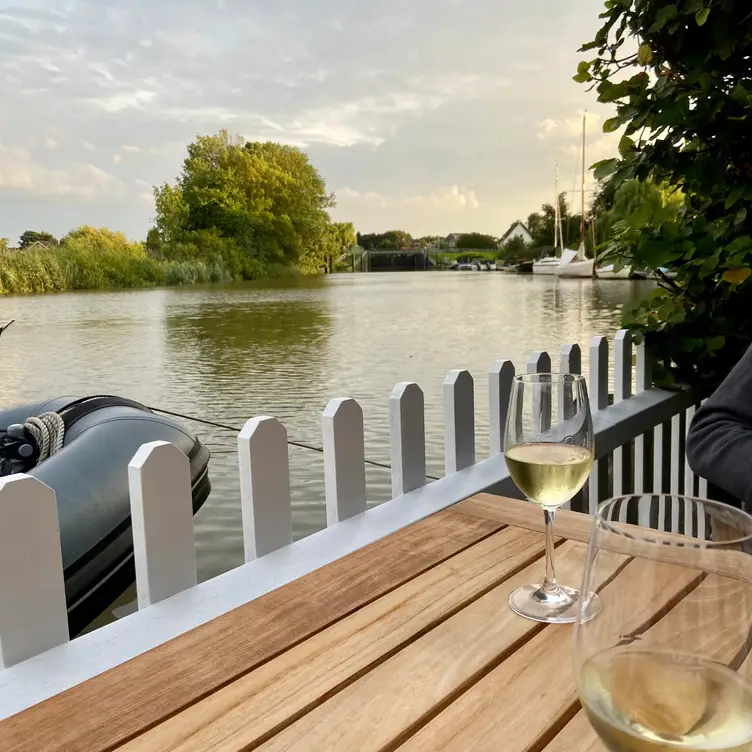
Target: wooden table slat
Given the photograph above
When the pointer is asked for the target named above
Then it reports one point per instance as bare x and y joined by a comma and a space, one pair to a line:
272, 696
521, 704
694, 621
111, 708
399, 695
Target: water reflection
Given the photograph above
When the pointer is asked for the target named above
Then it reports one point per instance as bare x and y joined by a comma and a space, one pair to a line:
286, 348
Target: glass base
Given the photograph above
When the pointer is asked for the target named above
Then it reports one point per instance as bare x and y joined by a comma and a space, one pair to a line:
559, 606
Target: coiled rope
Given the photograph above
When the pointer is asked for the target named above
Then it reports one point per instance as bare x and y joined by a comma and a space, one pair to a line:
48, 431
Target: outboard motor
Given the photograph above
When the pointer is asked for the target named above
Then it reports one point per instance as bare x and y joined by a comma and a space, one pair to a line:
19, 452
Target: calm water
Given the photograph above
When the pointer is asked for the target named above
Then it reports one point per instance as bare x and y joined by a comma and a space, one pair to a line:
286, 348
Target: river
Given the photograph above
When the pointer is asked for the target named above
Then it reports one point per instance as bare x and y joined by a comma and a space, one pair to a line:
284, 348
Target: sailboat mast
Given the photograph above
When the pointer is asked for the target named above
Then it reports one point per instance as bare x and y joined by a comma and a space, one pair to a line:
582, 210
556, 211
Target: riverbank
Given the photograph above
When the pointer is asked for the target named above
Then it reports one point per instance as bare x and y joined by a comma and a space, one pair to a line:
67, 268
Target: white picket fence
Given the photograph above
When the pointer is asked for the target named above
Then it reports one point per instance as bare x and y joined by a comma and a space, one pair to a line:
639, 447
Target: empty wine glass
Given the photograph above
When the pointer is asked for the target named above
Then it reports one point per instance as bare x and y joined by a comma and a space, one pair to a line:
666, 664
549, 445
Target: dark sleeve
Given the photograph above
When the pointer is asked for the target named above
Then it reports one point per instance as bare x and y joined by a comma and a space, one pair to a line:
719, 443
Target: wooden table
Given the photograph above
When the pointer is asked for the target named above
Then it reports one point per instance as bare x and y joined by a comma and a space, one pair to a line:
407, 644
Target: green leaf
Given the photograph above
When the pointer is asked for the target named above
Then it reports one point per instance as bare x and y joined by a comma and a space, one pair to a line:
734, 196
582, 78
714, 344
736, 276
626, 145
663, 16
611, 125
604, 168
702, 16
644, 54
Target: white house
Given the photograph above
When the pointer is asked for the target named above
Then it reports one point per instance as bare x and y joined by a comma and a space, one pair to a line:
450, 241
516, 230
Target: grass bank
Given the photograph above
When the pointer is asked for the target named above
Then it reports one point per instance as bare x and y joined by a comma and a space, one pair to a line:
64, 268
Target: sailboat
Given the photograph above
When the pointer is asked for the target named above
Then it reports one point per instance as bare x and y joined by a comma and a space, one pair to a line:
549, 264
576, 263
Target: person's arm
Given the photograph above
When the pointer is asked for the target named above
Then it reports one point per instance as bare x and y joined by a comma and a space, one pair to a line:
719, 442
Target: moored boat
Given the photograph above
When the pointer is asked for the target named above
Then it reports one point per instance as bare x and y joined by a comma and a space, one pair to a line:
547, 265
81, 447
609, 272
574, 264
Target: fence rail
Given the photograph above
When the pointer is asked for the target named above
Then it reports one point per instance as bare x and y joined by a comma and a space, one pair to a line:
639, 447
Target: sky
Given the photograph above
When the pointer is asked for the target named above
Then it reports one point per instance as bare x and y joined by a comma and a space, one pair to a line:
431, 116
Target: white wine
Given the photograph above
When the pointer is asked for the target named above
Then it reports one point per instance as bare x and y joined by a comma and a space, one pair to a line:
549, 474
642, 700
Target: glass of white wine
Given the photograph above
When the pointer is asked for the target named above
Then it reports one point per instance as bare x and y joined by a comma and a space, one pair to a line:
548, 445
667, 663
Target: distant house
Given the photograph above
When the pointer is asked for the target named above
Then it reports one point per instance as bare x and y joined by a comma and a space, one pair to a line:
450, 241
37, 245
516, 230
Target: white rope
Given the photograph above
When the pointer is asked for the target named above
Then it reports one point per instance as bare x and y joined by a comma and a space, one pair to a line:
48, 431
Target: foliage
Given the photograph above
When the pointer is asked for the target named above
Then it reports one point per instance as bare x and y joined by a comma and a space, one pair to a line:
541, 224
514, 250
250, 205
30, 237
89, 258
631, 202
477, 240
3, 244
683, 100
392, 240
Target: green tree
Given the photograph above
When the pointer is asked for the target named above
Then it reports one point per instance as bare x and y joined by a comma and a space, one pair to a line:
477, 241
515, 249
541, 224
30, 237
394, 240
264, 203
683, 100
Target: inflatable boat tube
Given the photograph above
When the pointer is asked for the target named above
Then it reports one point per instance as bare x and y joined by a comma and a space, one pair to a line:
90, 478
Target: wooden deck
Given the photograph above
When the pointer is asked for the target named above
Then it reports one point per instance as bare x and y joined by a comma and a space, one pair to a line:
407, 644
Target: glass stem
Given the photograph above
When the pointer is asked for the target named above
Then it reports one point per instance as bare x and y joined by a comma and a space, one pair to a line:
549, 583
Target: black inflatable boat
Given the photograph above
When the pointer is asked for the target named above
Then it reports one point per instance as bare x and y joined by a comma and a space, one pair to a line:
89, 474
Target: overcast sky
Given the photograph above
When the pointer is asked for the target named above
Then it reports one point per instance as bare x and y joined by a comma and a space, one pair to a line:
433, 116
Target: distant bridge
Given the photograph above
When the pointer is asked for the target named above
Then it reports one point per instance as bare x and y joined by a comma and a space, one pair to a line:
402, 260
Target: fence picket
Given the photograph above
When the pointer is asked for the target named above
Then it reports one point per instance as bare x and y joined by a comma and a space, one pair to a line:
159, 478
622, 391
570, 361
33, 616
689, 476
459, 421
540, 362
344, 460
598, 387
407, 431
676, 454
264, 487
644, 377
500, 377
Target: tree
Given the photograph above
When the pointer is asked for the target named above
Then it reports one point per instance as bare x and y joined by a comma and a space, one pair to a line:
30, 237
3, 244
477, 241
264, 202
683, 100
346, 235
541, 224
515, 249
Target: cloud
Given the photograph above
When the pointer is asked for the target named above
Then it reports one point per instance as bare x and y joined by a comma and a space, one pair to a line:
123, 101
21, 174
50, 142
393, 100
569, 127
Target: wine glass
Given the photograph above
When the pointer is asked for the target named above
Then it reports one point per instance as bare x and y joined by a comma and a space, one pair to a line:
667, 664
548, 445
